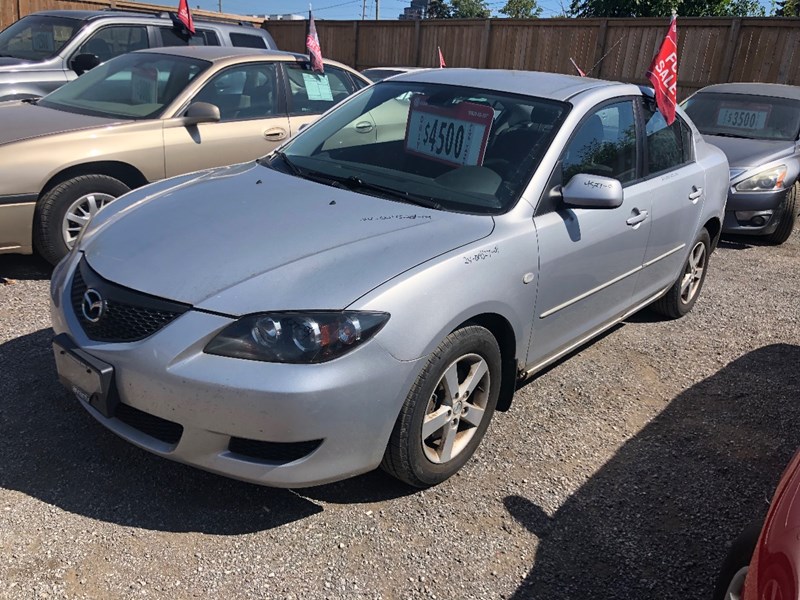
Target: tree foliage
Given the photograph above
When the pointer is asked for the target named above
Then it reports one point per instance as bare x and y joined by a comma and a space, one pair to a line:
470, 9
788, 8
439, 9
663, 8
522, 9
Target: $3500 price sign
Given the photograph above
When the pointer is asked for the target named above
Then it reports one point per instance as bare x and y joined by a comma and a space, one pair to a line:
456, 135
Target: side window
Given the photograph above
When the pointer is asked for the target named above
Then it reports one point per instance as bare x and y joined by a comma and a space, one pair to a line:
246, 40
113, 41
202, 37
312, 93
604, 144
244, 92
668, 147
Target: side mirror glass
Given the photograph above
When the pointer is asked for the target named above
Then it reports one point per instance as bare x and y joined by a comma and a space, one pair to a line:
592, 191
84, 62
201, 112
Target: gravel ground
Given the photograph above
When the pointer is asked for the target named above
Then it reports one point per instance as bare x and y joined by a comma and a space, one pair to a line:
622, 472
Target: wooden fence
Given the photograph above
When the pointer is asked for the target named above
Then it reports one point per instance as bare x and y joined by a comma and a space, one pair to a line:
710, 50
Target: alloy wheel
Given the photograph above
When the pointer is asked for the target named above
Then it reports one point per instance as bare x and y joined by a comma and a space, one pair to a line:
693, 273
80, 213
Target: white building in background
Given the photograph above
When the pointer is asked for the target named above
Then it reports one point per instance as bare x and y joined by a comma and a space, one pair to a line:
287, 17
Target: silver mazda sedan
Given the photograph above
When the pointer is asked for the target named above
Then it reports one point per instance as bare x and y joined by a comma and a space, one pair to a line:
370, 293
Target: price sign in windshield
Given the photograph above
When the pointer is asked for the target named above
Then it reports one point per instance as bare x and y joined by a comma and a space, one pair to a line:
456, 135
750, 116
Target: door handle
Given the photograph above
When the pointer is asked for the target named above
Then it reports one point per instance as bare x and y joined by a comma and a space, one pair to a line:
695, 195
638, 217
364, 127
275, 134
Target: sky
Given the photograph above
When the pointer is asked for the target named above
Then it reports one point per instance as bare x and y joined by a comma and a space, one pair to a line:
347, 9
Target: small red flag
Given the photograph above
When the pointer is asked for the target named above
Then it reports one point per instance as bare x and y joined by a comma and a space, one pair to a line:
663, 73
441, 58
577, 68
312, 45
185, 16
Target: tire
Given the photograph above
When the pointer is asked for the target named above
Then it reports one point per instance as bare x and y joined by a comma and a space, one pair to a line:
680, 298
80, 197
471, 356
786, 218
734, 568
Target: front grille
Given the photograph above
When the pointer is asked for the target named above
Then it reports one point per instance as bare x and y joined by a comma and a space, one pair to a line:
161, 429
273, 452
126, 316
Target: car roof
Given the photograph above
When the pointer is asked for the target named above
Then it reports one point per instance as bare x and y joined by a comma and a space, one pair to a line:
92, 15
533, 83
774, 90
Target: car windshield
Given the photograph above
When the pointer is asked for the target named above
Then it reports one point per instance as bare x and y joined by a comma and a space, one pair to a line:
446, 147
380, 74
37, 37
745, 116
131, 86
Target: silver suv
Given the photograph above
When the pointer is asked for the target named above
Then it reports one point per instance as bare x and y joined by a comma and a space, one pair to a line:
44, 50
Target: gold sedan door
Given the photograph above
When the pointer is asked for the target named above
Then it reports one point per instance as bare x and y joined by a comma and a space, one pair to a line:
253, 121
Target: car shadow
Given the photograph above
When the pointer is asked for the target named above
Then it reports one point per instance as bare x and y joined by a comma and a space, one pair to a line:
53, 450
27, 268
656, 520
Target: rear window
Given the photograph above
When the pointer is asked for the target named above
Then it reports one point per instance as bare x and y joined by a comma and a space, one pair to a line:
246, 40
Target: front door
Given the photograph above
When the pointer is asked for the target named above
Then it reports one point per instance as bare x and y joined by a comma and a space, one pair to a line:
590, 258
253, 121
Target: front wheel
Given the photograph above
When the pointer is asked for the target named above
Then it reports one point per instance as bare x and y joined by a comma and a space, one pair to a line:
681, 297
448, 409
787, 216
65, 210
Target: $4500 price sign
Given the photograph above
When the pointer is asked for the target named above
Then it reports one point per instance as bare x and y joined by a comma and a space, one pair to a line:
456, 135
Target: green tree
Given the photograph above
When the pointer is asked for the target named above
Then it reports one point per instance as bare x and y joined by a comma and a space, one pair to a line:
745, 8
522, 9
439, 9
663, 8
470, 9
788, 8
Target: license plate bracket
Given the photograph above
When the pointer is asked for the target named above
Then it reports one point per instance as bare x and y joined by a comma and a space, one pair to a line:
89, 378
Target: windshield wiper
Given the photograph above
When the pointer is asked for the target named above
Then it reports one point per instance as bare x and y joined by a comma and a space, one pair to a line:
356, 183
293, 168
30, 100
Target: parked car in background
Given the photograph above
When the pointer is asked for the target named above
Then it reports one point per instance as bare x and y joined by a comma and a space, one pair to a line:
44, 50
347, 302
757, 125
381, 73
764, 561
142, 117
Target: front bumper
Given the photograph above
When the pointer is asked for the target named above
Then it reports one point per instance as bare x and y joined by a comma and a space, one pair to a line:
744, 212
350, 403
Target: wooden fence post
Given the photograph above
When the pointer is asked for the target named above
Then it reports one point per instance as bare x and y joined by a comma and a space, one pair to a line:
355, 50
600, 48
485, 40
417, 36
730, 51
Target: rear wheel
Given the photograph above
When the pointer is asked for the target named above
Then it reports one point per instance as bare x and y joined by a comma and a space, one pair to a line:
66, 209
786, 218
681, 297
448, 409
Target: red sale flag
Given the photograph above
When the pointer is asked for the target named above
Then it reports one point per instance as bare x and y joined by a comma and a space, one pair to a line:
185, 16
663, 73
441, 58
312, 45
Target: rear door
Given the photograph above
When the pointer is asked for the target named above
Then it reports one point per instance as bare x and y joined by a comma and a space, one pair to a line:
253, 120
676, 184
310, 94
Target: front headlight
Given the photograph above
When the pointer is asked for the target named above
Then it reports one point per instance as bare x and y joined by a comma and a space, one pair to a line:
766, 181
296, 337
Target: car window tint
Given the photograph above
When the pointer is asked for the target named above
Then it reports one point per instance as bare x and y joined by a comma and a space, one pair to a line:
313, 93
668, 147
202, 37
247, 40
37, 37
113, 41
243, 92
604, 144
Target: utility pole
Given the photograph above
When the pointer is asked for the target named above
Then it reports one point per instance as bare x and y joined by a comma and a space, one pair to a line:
219, 4
364, 10
377, 9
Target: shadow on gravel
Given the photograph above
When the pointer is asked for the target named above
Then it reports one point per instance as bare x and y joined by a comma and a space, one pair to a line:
53, 450
656, 520
14, 266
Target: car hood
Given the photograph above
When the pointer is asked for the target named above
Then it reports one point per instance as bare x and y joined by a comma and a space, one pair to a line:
248, 239
744, 154
22, 120
8, 62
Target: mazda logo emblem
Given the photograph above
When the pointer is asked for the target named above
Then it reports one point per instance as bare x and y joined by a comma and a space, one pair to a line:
93, 305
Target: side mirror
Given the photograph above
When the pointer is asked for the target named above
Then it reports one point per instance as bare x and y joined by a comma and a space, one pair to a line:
84, 62
592, 191
200, 112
